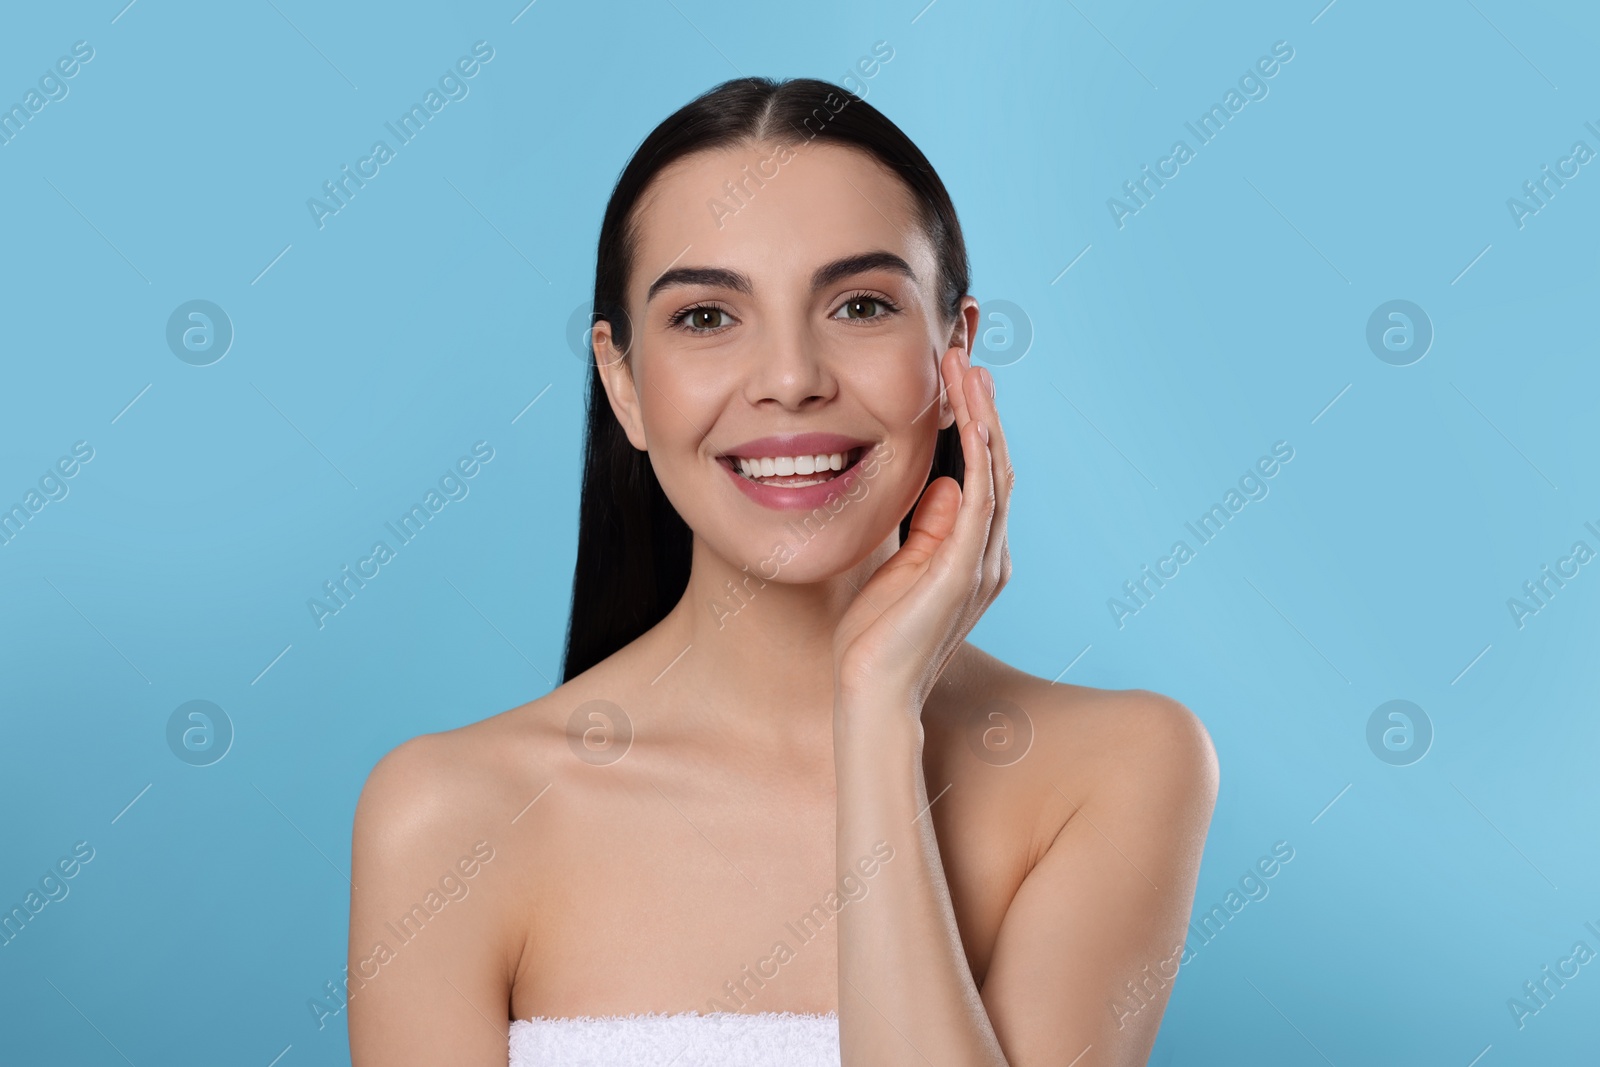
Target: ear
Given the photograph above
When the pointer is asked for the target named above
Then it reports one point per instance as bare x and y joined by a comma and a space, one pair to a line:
963, 334
616, 375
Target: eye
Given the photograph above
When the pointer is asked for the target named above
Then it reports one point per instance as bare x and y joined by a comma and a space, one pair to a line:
700, 318
864, 307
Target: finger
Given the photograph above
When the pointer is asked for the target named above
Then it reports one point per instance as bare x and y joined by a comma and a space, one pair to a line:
932, 521
948, 534
953, 367
997, 561
970, 538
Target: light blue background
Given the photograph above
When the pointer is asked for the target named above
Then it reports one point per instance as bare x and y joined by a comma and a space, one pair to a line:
1225, 316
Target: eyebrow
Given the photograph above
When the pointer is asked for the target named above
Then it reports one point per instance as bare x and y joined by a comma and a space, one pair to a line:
823, 276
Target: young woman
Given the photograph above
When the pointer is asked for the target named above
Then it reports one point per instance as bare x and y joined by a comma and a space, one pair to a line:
779, 811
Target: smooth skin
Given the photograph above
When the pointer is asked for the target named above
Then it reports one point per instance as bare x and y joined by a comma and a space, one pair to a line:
783, 742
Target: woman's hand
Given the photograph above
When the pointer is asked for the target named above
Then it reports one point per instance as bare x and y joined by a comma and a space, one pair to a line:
915, 611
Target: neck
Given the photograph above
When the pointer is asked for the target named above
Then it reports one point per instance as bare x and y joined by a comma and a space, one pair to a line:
762, 646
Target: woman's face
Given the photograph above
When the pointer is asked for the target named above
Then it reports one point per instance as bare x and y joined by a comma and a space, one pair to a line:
783, 371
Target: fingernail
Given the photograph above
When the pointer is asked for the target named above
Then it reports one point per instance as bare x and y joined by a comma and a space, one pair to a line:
983, 432
988, 379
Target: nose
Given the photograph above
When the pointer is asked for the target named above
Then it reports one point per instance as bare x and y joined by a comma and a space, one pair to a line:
790, 368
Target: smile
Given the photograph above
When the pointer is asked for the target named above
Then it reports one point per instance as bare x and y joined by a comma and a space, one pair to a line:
795, 470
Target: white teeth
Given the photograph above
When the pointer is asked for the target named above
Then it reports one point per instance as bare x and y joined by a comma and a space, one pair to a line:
791, 466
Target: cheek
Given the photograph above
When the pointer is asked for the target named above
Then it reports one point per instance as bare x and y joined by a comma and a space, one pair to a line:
676, 410
902, 396
912, 366
898, 385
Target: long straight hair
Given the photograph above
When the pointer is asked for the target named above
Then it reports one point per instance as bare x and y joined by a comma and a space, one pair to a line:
634, 550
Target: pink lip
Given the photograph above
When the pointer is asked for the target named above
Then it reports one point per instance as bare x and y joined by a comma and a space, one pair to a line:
805, 498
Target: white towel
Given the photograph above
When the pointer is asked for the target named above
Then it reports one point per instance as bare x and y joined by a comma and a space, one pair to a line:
720, 1039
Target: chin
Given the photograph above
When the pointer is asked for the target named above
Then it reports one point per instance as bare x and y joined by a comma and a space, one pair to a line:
799, 547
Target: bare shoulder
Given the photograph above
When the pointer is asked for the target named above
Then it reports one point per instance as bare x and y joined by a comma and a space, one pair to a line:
1135, 737
428, 785
1125, 740
436, 825
434, 789
1117, 785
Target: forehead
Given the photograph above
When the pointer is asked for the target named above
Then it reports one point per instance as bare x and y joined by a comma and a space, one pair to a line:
827, 202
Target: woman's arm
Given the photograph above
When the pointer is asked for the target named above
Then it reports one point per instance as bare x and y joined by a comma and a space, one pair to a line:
429, 979
1085, 918
1090, 945
1093, 939
906, 994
